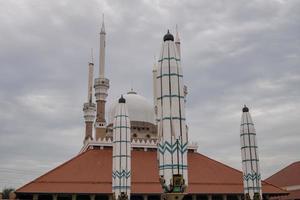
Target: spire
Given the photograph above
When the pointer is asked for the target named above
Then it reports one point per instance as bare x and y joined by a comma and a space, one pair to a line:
177, 43
102, 26
177, 39
90, 79
92, 56
102, 50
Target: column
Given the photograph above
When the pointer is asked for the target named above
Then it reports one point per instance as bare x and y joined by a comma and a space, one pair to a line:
209, 197
194, 197
92, 197
35, 197
110, 197
54, 196
224, 197
239, 197
145, 197
74, 196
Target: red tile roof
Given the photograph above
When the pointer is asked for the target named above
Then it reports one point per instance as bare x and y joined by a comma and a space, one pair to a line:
90, 172
288, 176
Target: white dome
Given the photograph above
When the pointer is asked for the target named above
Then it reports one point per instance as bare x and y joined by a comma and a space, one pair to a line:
139, 108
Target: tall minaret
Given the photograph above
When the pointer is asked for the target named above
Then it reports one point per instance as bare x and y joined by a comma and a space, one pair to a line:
101, 88
173, 138
154, 75
121, 172
89, 108
177, 43
250, 160
178, 49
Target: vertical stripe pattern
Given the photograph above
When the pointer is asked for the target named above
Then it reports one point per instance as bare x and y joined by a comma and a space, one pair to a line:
121, 172
250, 159
173, 139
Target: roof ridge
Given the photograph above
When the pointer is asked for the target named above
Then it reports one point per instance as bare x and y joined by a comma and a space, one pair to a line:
55, 168
287, 166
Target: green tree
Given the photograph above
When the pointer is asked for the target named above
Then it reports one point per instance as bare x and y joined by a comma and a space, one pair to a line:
6, 191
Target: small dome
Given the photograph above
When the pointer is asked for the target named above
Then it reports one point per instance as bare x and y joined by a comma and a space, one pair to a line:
168, 36
245, 109
139, 108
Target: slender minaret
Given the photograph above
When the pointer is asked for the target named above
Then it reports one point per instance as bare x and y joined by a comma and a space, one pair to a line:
173, 138
101, 88
121, 172
154, 75
89, 108
177, 43
250, 160
178, 49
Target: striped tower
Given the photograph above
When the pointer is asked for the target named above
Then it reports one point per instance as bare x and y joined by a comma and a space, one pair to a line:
250, 160
173, 139
121, 172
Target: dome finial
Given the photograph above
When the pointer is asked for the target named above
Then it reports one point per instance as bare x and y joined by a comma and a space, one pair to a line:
122, 100
168, 36
245, 109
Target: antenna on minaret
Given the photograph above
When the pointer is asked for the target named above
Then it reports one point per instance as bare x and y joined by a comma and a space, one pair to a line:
102, 26
177, 42
92, 56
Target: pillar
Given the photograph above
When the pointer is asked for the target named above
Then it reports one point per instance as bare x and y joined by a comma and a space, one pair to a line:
224, 197
209, 197
110, 197
35, 197
92, 197
74, 196
54, 196
239, 197
145, 197
194, 197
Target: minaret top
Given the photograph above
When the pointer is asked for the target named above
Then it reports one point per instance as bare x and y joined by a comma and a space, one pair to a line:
168, 36
92, 57
122, 100
102, 26
245, 109
177, 39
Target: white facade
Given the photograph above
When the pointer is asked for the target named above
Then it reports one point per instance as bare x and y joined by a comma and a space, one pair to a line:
250, 159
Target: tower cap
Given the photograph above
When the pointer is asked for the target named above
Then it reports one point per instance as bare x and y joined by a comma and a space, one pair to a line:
122, 100
245, 109
168, 36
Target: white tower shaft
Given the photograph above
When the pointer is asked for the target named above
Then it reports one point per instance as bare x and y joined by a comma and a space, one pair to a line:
173, 139
121, 172
101, 89
102, 51
90, 82
89, 108
250, 159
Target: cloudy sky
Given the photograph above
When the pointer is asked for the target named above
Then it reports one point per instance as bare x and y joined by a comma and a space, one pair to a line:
233, 53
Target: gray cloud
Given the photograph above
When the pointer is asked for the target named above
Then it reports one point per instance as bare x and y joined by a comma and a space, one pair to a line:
234, 53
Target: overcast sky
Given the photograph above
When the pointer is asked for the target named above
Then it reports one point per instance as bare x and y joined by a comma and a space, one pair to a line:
233, 53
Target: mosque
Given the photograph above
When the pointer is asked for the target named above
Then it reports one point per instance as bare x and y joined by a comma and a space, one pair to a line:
89, 174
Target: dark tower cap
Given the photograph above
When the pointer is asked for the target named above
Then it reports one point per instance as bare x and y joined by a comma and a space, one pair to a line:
245, 109
168, 36
122, 100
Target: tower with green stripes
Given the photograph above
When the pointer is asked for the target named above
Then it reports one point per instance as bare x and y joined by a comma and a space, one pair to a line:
250, 159
121, 172
172, 133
